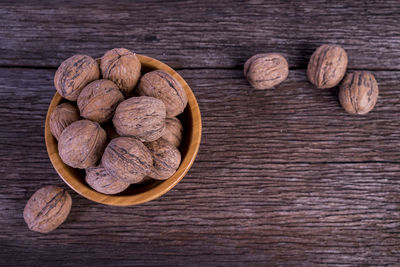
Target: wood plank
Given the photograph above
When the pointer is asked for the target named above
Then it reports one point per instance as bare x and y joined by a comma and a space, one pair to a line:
294, 123
283, 176
211, 34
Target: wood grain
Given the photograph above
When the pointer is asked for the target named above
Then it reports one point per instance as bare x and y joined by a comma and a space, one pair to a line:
283, 176
206, 34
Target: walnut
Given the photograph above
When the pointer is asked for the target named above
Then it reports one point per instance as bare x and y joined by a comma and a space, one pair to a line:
358, 92
173, 131
166, 159
74, 74
327, 66
62, 116
142, 117
47, 209
264, 71
122, 67
127, 159
82, 143
98, 100
161, 85
100, 180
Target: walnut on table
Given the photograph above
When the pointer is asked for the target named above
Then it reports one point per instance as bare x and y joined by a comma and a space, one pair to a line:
359, 92
264, 71
47, 209
327, 66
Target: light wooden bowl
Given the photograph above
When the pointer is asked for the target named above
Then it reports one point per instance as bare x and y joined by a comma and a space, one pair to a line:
135, 194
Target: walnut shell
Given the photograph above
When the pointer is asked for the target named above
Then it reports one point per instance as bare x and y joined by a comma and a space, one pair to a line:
47, 209
98, 100
162, 85
264, 71
142, 117
100, 180
74, 74
166, 159
62, 116
173, 131
122, 67
82, 143
127, 159
327, 66
359, 92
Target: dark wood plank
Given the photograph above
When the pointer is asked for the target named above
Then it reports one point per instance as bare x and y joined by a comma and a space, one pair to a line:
206, 34
283, 177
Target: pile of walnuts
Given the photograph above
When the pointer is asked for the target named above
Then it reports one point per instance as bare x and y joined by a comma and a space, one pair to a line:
327, 67
120, 127
123, 128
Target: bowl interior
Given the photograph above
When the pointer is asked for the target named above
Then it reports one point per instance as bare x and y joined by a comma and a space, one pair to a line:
135, 194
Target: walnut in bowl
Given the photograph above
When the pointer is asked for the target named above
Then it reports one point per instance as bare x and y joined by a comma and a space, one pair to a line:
191, 120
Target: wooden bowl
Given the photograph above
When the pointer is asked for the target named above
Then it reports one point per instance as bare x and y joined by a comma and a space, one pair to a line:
135, 194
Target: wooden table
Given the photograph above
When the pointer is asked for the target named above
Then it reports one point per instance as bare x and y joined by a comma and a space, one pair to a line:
283, 176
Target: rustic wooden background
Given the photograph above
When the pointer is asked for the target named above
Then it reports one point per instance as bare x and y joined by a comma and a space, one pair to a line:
283, 177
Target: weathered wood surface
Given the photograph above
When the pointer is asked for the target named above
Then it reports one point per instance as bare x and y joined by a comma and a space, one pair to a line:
212, 34
283, 177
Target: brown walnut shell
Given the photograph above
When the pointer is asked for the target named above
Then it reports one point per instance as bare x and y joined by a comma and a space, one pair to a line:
327, 66
264, 71
162, 85
359, 92
173, 131
100, 180
127, 159
62, 116
166, 159
74, 74
47, 209
122, 67
82, 143
98, 100
141, 117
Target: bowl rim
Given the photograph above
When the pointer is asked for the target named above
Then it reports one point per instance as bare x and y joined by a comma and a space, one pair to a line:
154, 192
